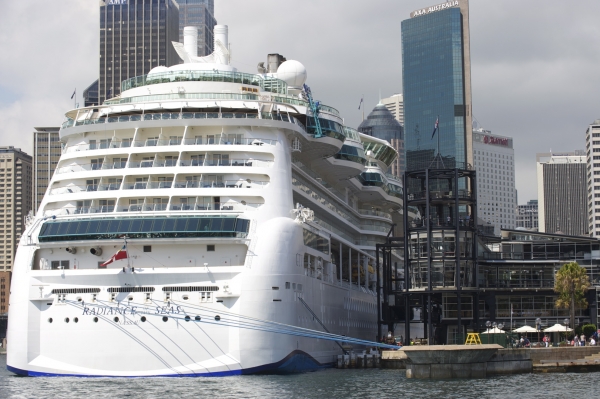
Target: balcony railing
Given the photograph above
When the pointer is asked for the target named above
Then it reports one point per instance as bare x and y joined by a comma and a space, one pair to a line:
182, 115
249, 162
176, 207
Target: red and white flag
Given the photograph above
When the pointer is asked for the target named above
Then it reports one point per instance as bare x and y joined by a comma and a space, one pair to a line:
121, 254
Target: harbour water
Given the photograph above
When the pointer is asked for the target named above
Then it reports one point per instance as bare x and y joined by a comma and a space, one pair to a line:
322, 384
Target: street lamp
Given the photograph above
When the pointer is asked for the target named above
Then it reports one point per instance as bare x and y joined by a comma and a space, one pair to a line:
487, 328
538, 324
566, 322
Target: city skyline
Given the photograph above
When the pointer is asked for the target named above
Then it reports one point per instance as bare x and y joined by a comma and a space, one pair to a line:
534, 81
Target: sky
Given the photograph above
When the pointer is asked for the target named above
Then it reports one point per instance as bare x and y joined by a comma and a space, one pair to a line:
535, 64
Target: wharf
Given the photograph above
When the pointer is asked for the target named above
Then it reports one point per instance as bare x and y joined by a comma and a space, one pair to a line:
458, 361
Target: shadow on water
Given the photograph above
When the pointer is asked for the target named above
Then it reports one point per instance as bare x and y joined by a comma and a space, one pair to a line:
329, 383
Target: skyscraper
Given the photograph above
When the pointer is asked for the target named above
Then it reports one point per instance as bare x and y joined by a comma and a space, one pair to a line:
592, 145
494, 161
135, 36
395, 104
15, 201
381, 124
527, 216
436, 74
200, 14
46, 153
561, 182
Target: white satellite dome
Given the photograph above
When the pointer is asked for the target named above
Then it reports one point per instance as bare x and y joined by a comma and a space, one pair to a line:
292, 72
158, 69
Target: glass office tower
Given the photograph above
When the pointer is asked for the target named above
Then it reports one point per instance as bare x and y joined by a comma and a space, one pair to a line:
437, 83
201, 14
135, 36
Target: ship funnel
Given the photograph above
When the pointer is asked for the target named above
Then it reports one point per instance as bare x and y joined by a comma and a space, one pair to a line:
190, 40
222, 35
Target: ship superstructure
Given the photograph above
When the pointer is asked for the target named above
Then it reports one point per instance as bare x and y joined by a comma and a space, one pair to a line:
237, 209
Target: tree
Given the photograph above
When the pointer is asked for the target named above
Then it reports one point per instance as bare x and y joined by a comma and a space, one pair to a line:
571, 284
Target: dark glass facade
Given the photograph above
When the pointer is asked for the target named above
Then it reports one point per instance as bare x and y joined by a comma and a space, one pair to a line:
90, 95
135, 36
198, 13
436, 82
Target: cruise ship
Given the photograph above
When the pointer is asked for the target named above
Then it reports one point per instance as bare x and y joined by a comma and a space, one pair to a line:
205, 222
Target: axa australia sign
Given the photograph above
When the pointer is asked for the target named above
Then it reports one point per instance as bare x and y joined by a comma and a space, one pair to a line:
439, 7
116, 2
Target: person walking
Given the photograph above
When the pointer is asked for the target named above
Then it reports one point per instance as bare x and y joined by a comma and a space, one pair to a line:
582, 340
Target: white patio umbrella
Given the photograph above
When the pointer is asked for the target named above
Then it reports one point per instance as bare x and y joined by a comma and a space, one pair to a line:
494, 330
558, 328
525, 329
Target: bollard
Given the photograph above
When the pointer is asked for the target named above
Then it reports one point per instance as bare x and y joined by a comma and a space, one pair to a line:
346, 361
360, 361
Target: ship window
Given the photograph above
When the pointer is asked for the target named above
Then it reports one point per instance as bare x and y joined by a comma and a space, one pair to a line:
147, 248
287, 285
210, 248
137, 227
59, 264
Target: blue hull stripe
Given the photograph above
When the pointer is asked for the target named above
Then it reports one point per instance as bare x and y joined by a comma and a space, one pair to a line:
296, 362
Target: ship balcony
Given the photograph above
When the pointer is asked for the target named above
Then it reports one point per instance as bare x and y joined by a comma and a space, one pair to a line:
183, 117
203, 140
152, 204
464, 196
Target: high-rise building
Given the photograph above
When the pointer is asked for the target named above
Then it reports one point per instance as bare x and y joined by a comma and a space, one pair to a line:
135, 36
592, 146
527, 216
395, 104
494, 161
15, 201
46, 153
4, 294
436, 75
561, 183
381, 124
200, 14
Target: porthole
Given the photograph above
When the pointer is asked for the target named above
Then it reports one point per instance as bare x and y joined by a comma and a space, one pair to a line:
116, 319
79, 299
197, 318
76, 320
185, 297
165, 319
50, 320
95, 320
66, 320
187, 318
217, 317
143, 319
